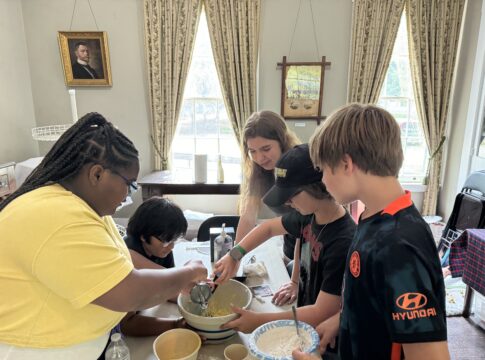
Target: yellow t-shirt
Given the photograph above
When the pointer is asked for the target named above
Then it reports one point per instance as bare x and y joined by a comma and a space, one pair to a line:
57, 256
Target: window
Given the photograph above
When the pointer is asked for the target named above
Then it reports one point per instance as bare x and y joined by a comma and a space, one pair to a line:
203, 125
397, 97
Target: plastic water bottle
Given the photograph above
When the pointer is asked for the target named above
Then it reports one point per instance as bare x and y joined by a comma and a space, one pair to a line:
117, 349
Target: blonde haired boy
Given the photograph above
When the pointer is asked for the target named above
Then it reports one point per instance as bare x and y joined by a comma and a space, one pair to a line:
393, 292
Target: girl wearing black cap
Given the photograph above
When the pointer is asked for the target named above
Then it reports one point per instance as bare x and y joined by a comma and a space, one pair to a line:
325, 230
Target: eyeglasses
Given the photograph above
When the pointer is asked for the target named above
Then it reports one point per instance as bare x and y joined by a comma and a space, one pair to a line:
132, 185
165, 244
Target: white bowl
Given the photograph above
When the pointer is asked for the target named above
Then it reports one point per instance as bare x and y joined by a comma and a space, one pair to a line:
281, 332
231, 292
177, 344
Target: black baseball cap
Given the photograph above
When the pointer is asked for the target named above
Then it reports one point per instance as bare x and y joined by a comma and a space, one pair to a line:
293, 170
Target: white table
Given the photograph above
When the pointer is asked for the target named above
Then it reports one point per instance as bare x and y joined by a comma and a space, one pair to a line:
270, 253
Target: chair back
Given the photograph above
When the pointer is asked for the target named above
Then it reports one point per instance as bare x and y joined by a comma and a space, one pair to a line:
468, 213
476, 182
216, 221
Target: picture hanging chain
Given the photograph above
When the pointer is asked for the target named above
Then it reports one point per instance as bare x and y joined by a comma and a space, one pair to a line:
314, 29
72, 15
294, 28
92, 13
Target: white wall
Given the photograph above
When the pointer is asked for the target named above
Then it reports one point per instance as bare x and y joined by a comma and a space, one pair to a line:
332, 24
16, 106
126, 102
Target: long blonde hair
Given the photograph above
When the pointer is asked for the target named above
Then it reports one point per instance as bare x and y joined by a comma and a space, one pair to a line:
269, 125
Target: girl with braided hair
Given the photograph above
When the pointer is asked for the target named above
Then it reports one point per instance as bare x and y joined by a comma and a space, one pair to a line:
66, 275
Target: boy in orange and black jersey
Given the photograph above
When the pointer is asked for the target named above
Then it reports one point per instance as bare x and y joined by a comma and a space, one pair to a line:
393, 292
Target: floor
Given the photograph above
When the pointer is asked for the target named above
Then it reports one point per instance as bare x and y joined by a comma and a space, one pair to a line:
466, 340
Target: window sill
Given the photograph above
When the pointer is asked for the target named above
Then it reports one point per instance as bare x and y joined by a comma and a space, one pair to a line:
415, 188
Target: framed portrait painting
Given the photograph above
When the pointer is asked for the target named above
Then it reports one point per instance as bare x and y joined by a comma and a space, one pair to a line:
85, 58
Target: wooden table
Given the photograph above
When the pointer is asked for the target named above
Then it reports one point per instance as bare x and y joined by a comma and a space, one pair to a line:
160, 183
141, 348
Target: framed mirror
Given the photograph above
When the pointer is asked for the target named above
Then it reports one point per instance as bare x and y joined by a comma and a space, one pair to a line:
302, 89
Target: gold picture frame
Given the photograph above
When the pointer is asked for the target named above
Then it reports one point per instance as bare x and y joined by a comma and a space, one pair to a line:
302, 89
85, 58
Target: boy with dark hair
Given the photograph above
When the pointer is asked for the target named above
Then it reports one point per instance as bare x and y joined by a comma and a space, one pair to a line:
323, 226
393, 293
152, 231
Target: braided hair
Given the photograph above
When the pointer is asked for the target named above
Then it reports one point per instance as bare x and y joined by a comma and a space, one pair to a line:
91, 139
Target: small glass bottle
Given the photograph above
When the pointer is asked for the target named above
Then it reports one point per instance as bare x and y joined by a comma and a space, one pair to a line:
226, 242
220, 170
117, 349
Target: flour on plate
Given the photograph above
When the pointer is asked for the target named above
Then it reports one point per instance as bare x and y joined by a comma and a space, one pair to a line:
281, 341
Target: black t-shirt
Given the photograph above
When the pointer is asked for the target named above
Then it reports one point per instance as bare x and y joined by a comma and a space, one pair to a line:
323, 253
166, 262
393, 286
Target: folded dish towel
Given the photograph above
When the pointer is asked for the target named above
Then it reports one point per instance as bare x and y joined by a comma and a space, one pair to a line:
255, 269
